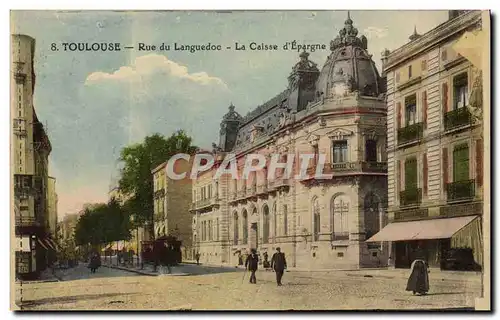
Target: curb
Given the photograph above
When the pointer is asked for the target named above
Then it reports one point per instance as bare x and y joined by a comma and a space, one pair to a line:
145, 273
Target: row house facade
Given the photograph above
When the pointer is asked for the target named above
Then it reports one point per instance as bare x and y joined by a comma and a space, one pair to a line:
30, 148
337, 114
435, 146
172, 201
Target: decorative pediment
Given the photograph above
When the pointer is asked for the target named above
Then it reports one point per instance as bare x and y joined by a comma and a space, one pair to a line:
340, 134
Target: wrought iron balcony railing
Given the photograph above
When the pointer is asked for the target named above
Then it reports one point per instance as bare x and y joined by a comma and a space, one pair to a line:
339, 236
460, 190
457, 118
410, 133
412, 196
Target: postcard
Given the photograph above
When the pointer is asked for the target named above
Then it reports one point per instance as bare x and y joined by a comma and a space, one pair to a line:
250, 160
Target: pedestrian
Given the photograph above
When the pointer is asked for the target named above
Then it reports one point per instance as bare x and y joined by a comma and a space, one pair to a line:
265, 263
197, 255
169, 259
418, 282
278, 264
252, 263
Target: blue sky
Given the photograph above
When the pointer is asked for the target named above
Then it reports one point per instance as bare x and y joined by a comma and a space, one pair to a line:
95, 103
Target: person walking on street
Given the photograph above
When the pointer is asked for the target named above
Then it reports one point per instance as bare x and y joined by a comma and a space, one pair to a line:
278, 264
252, 264
197, 256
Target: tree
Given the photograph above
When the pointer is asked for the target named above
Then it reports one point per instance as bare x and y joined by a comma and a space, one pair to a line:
139, 160
102, 224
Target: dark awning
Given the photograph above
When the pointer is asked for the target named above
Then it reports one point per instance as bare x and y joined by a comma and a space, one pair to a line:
422, 229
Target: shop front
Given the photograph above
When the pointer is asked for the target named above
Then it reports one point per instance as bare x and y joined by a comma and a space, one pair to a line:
446, 243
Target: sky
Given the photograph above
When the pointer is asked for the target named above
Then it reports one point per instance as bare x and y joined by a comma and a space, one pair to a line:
95, 103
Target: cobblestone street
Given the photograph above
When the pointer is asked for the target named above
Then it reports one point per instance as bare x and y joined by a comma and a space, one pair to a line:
338, 290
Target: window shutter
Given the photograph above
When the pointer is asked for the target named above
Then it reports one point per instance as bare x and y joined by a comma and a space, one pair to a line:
398, 106
445, 167
445, 97
425, 170
479, 162
424, 108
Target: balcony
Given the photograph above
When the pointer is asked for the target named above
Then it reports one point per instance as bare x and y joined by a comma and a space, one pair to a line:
251, 191
460, 190
412, 214
262, 188
457, 118
339, 236
346, 168
410, 134
410, 197
27, 222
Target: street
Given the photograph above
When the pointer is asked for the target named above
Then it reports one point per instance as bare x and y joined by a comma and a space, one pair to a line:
213, 290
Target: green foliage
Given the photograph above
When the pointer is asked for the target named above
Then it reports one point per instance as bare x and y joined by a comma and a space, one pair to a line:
139, 160
103, 224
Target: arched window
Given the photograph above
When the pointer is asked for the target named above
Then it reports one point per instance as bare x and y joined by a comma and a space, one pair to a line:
340, 218
235, 228
265, 230
245, 227
275, 227
285, 219
316, 218
372, 215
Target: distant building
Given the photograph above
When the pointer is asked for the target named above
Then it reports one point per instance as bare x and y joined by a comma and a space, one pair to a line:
30, 148
435, 146
172, 200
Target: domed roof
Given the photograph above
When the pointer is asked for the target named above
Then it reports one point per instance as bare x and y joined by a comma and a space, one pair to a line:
349, 67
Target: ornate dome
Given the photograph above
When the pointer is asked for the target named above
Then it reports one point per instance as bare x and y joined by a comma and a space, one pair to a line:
349, 67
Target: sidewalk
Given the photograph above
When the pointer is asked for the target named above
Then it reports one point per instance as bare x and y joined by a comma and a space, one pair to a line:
48, 275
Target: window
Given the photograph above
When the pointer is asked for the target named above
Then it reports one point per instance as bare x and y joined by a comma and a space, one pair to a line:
209, 229
316, 154
411, 109
461, 163
372, 215
371, 150
461, 98
411, 174
217, 229
339, 217
424, 65
245, 227
316, 219
409, 72
265, 231
274, 220
340, 151
235, 228
285, 220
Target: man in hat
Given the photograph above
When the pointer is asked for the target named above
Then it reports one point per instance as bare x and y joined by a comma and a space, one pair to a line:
278, 264
252, 263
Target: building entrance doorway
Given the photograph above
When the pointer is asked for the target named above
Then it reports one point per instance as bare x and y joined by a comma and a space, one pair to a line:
254, 236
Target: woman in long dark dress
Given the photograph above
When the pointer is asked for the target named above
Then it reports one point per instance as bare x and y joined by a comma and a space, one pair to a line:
419, 277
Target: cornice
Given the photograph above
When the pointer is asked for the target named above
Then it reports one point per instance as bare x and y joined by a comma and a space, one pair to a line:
431, 38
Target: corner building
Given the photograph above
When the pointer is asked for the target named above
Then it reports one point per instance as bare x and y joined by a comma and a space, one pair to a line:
337, 111
435, 146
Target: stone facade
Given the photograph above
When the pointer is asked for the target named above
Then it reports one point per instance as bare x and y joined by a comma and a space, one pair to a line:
338, 115
172, 200
30, 149
430, 125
